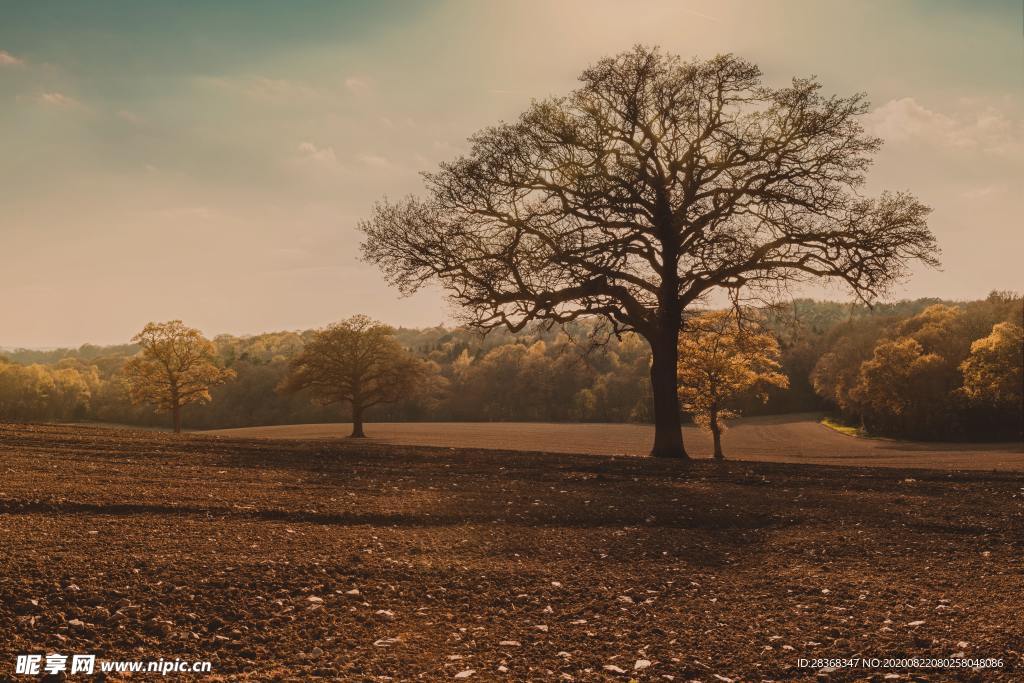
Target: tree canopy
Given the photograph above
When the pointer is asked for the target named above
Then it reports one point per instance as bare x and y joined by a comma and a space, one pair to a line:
176, 367
654, 183
993, 372
945, 372
356, 361
721, 361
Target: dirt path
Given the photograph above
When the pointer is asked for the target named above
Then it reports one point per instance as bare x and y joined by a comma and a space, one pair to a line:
786, 438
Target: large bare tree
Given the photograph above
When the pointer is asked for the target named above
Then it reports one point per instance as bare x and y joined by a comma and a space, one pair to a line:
635, 196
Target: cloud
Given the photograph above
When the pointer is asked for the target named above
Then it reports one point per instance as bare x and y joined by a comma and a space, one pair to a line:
277, 90
130, 117
377, 161
356, 85
324, 155
407, 122
7, 59
187, 213
982, 128
283, 91
58, 99
986, 192
316, 161
695, 13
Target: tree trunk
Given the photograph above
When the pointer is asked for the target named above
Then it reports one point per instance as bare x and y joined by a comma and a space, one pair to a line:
716, 433
668, 426
176, 412
357, 422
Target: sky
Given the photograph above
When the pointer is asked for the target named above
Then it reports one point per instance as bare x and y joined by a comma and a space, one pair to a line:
211, 161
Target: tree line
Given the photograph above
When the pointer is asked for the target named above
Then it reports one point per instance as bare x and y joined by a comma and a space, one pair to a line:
924, 369
947, 372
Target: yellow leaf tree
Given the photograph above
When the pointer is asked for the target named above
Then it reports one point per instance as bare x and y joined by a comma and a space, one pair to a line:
177, 366
720, 361
890, 386
357, 361
994, 372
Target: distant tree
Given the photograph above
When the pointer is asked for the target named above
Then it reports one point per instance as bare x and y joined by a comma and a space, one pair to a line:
357, 361
927, 369
175, 367
71, 393
25, 391
722, 361
900, 386
994, 372
906, 386
638, 194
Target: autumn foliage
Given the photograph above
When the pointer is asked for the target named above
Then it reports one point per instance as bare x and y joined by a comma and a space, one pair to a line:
993, 373
721, 360
176, 367
544, 374
358, 362
947, 372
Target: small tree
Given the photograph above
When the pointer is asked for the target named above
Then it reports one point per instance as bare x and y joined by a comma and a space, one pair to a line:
357, 361
722, 361
176, 367
634, 197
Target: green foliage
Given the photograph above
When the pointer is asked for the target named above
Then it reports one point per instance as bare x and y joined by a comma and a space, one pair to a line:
842, 428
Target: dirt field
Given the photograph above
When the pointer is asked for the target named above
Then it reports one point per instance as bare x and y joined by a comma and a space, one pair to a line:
291, 560
786, 438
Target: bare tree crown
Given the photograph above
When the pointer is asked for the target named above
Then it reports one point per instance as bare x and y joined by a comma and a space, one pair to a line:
653, 183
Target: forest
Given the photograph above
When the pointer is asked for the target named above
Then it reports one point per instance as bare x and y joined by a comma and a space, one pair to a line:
926, 369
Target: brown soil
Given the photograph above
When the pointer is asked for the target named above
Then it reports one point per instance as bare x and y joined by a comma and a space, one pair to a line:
778, 438
550, 566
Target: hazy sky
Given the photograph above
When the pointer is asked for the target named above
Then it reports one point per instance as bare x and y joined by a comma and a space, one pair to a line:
210, 160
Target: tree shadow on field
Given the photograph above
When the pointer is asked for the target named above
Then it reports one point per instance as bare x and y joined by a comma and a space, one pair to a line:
651, 506
453, 514
1011, 447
